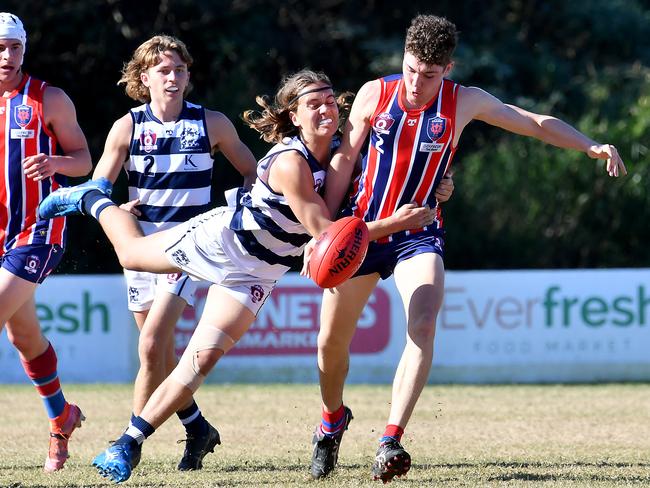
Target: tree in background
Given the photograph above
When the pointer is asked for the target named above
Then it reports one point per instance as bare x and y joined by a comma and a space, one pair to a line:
517, 204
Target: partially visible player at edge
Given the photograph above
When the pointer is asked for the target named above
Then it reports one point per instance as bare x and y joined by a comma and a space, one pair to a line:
166, 146
35, 120
242, 249
426, 112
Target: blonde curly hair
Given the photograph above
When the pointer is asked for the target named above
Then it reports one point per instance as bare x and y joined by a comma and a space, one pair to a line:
149, 54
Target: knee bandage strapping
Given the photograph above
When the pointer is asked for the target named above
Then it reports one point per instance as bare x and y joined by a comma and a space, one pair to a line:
187, 372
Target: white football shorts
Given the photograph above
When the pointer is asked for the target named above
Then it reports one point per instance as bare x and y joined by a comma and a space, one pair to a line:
196, 249
142, 288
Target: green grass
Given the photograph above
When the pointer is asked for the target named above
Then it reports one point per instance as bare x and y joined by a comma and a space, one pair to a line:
460, 436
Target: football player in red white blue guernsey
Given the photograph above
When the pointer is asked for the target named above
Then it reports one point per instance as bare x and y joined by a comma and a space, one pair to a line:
36, 122
166, 147
414, 121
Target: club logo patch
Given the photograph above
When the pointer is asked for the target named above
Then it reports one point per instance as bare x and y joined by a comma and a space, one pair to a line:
190, 137
134, 294
148, 140
257, 293
32, 264
383, 122
436, 128
180, 257
23, 115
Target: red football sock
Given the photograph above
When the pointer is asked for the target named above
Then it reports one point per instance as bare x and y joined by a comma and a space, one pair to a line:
394, 431
332, 422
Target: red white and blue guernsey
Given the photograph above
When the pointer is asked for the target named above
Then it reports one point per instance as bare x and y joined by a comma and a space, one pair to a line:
408, 153
23, 133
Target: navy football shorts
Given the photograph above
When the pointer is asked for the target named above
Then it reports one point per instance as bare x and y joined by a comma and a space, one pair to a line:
382, 258
32, 262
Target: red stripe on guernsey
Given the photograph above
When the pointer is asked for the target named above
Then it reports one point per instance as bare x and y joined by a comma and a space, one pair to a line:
402, 164
409, 151
31, 190
435, 173
387, 98
25, 134
4, 203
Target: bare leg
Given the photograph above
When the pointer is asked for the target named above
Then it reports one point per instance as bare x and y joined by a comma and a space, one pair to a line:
18, 312
135, 251
222, 312
340, 312
18, 309
420, 281
156, 346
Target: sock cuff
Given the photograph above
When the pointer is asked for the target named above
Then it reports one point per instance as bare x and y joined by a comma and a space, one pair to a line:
43, 366
394, 431
143, 426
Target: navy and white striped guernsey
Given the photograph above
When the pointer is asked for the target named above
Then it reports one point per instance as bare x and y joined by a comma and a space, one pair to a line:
266, 231
170, 166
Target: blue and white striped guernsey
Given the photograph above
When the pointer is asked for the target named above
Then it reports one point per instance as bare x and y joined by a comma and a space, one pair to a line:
268, 238
170, 167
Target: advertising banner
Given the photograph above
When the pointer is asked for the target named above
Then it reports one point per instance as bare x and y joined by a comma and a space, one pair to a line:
86, 320
494, 326
561, 325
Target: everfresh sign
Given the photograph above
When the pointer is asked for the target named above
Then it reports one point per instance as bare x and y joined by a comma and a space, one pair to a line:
576, 325
87, 320
550, 306
85, 314
618, 309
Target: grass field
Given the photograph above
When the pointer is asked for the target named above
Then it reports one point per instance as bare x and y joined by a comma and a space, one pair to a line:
465, 436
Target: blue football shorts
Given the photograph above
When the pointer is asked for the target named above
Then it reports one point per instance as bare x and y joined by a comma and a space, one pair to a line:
383, 257
32, 262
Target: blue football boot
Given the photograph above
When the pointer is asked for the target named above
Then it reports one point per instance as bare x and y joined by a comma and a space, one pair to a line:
116, 462
67, 200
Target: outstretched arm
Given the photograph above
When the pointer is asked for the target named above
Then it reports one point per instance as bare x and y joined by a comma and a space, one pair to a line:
61, 118
478, 104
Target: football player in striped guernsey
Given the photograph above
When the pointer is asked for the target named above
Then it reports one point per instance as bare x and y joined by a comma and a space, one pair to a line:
410, 124
166, 147
243, 249
40, 144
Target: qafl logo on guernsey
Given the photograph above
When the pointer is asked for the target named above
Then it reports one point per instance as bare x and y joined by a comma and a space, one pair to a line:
148, 140
383, 122
23, 115
436, 127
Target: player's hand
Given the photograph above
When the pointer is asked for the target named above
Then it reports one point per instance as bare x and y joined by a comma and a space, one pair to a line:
39, 166
309, 248
615, 165
413, 216
445, 188
131, 207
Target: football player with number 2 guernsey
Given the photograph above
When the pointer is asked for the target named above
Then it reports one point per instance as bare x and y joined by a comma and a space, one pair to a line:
166, 147
40, 144
414, 121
